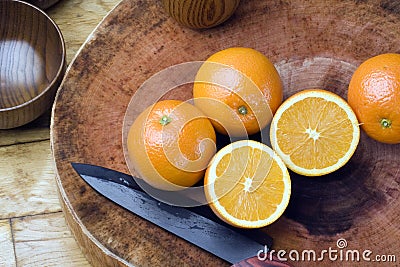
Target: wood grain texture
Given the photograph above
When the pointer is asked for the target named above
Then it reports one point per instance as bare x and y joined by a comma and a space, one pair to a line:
312, 43
43, 4
7, 257
32, 63
37, 237
37, 130
200, 14
77, 19
27, 176
12, 136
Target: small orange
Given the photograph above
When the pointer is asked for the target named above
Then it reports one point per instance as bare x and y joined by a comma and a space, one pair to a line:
315, 132
170, 144
374, 95
247, 184
239, 89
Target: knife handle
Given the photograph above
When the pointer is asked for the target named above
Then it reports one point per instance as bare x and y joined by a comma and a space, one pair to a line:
256, 262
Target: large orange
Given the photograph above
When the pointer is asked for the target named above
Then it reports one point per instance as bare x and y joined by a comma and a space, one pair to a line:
239, 89
374, 95
170, 144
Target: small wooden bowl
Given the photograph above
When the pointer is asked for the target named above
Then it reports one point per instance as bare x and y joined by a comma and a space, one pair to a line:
32, 62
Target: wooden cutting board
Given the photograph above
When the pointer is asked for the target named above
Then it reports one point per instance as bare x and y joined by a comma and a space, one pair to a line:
314, 44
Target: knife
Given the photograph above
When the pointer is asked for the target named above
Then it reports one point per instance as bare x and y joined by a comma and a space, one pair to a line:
187, 223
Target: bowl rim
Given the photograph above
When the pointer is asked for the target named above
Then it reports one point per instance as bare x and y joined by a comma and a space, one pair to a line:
61, 66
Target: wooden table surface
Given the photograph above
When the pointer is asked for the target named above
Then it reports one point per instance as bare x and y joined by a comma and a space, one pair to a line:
33, 231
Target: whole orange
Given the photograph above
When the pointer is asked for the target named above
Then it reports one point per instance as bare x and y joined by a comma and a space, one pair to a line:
170, 144
374, 95
239, 89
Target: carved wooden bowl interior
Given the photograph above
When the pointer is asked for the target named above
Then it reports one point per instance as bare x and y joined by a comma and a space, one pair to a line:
313, 44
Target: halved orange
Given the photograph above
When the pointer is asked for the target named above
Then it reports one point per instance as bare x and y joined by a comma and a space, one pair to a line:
247, 185
315, 132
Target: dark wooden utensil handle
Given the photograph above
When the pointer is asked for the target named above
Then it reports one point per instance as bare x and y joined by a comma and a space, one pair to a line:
255, 262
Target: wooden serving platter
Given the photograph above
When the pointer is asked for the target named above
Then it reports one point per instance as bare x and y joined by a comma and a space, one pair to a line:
314, 44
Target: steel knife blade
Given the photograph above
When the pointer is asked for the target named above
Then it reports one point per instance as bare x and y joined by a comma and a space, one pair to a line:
189, 224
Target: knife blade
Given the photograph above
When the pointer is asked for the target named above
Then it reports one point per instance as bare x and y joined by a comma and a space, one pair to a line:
185, 197
216, 238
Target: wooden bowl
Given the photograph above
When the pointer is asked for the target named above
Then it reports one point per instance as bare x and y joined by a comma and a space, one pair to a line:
32, 62
312, 43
